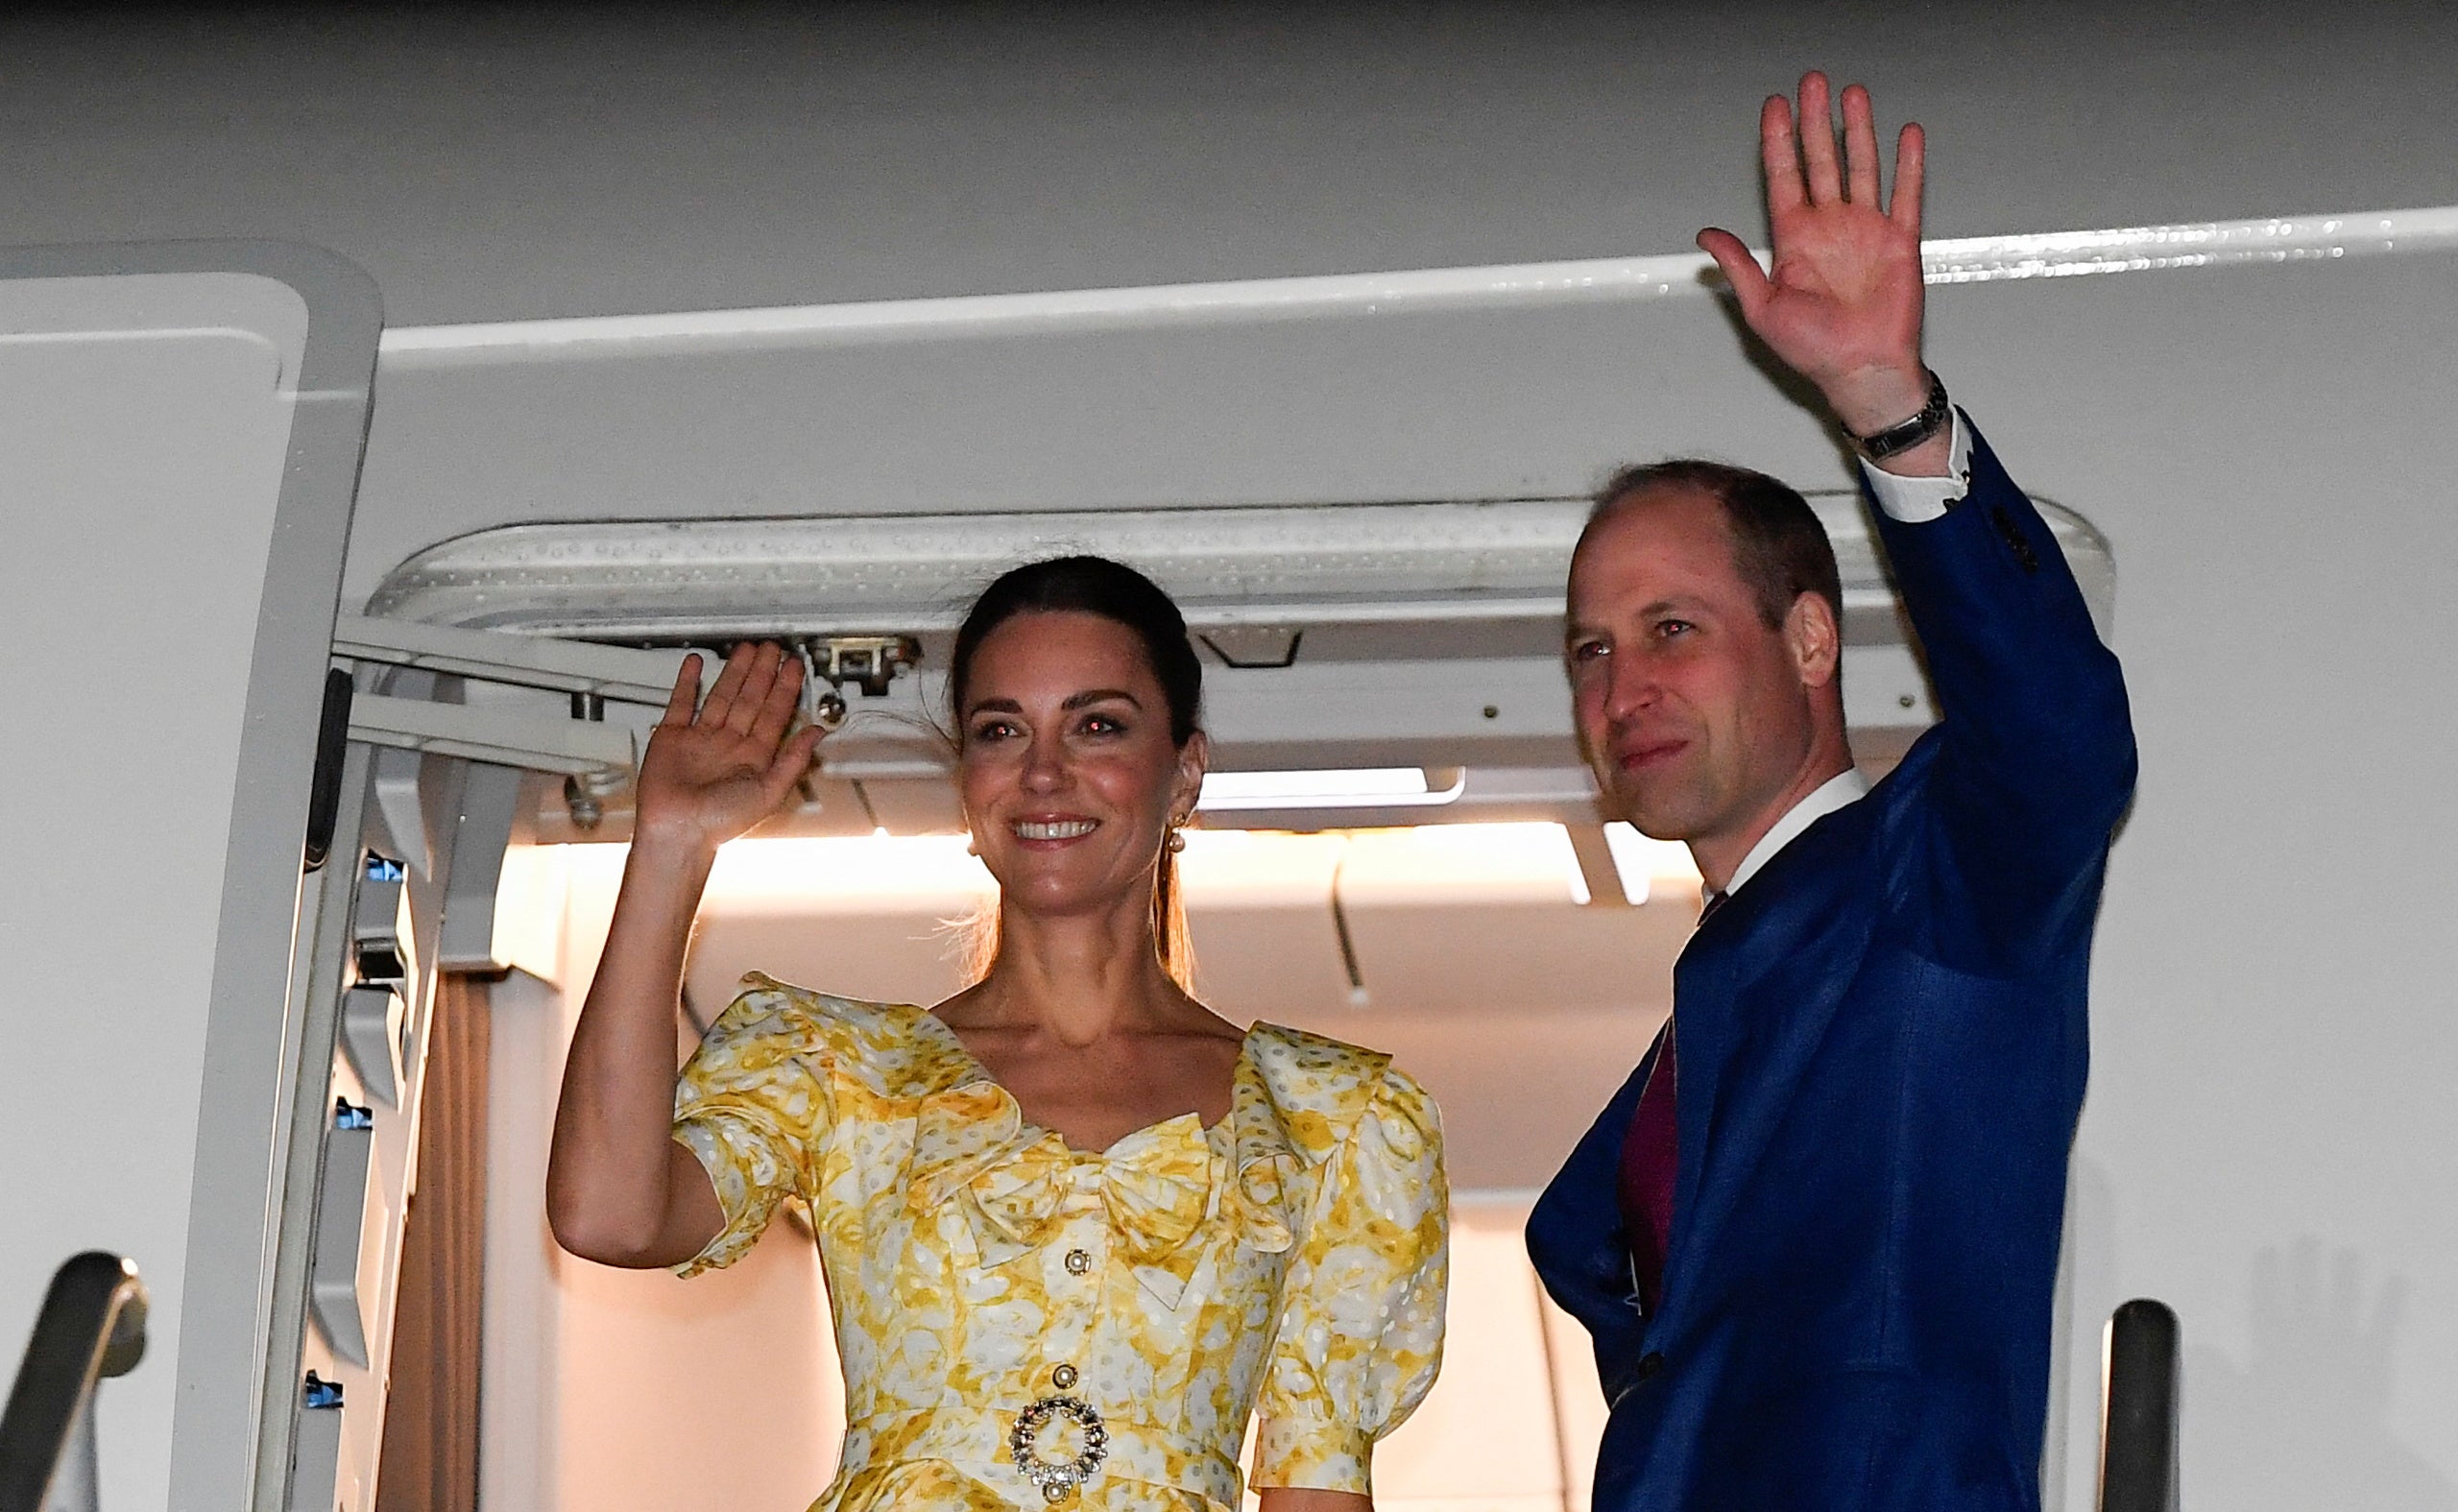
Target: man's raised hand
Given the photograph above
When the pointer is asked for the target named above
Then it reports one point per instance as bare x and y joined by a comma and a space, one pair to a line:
1841, 303
714, 772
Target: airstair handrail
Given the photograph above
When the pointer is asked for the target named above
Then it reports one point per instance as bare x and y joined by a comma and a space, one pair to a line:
93, 1325
2138, 1399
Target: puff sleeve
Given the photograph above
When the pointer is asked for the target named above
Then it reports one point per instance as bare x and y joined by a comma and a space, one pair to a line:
753, 1105
1360, 1331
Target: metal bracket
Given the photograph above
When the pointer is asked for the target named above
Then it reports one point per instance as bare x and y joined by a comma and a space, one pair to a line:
506, 737
870, 663
495, 656
599, 752
466, 932
595, 758
333, 1295
595, 755
373, 1022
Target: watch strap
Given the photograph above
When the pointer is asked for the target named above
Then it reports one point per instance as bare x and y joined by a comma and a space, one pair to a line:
1904, 435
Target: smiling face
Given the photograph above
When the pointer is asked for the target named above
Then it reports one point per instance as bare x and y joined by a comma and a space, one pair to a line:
1069, 774
1701, 722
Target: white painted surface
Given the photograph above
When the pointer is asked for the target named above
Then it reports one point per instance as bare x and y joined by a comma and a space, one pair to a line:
2268, 241
143, 422
2269, 1139
2268, 451
568, 160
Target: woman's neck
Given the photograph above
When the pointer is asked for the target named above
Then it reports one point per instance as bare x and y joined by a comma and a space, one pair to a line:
1080, 978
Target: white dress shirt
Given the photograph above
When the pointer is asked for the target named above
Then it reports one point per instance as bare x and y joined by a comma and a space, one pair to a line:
1844, 787
1913, 500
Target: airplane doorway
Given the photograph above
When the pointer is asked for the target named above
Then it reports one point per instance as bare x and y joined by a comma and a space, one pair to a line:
611, 1389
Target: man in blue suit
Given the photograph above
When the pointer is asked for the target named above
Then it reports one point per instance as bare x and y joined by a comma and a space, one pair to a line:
1814, 1235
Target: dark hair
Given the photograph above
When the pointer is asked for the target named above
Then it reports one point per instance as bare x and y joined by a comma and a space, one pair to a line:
1778, 546
1118, 593
1089, 585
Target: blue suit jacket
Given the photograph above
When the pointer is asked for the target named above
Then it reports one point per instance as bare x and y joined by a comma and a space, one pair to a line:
1883, 1048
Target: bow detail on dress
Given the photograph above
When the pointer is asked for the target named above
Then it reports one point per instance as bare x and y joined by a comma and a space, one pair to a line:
1016, 1185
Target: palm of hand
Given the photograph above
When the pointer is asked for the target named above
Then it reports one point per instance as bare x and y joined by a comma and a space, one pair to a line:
710, 773
715, 774
1844, 292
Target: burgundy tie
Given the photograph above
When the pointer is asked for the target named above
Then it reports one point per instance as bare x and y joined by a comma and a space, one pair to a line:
1651, 1154
1651, 1157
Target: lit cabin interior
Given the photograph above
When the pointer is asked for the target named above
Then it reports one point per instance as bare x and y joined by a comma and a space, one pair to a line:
649, 328
1469, 912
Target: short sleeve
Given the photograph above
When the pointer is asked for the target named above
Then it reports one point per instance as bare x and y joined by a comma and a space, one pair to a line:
753, 1105
1360, 1331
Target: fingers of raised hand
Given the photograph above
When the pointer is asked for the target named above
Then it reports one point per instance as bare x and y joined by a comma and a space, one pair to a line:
1860, 147
1816, 127
777, 709
685, 698
1779, 156
792, 759
718, 707
758, 681
1911, 168
1741, 270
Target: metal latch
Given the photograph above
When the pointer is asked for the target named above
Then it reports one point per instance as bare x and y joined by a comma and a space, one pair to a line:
870, 663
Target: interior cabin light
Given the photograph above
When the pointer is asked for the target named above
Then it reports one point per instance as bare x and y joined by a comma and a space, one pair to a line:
1340, 787
875, 868
1644, 865
1518, 861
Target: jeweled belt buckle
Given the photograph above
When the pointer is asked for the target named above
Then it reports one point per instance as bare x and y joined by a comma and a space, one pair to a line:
1058, 1479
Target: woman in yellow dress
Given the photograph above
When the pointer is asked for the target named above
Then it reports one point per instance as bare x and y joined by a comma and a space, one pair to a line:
1077, 1227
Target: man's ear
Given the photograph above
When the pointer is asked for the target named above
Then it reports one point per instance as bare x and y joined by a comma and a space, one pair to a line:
1814, 639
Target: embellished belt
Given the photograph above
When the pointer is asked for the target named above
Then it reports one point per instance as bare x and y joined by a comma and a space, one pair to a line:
1010, 1448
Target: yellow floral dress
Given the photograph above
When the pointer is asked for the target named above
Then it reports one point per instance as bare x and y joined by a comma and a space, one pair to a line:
1022, 1324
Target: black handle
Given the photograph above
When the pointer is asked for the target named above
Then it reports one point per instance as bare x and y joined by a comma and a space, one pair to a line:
93, 1325
2138, 1419
332, 742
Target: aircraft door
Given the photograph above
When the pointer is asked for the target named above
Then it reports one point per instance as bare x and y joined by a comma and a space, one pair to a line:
181, 429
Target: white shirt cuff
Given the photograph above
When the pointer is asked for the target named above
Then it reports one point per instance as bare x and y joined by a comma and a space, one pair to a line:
1913, 500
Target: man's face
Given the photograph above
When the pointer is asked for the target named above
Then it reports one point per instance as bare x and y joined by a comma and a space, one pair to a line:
1697, 717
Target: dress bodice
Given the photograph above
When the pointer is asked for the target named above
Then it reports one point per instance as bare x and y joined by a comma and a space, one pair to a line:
1288, 1262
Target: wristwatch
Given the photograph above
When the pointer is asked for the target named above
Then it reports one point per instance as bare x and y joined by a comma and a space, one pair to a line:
1904, 435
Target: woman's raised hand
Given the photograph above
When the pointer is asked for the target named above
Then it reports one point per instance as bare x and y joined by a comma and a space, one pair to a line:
710, 775
618, 1190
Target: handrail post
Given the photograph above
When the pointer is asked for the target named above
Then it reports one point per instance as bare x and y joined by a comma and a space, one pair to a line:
91, 1325
77, 1481
2138, 1401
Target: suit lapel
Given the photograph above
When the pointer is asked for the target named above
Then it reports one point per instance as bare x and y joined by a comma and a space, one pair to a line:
1574, 1233
1751, 962
1700, 977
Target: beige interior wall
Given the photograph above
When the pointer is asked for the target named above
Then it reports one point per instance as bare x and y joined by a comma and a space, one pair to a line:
1490, 1438
611, 1390
615, 1391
